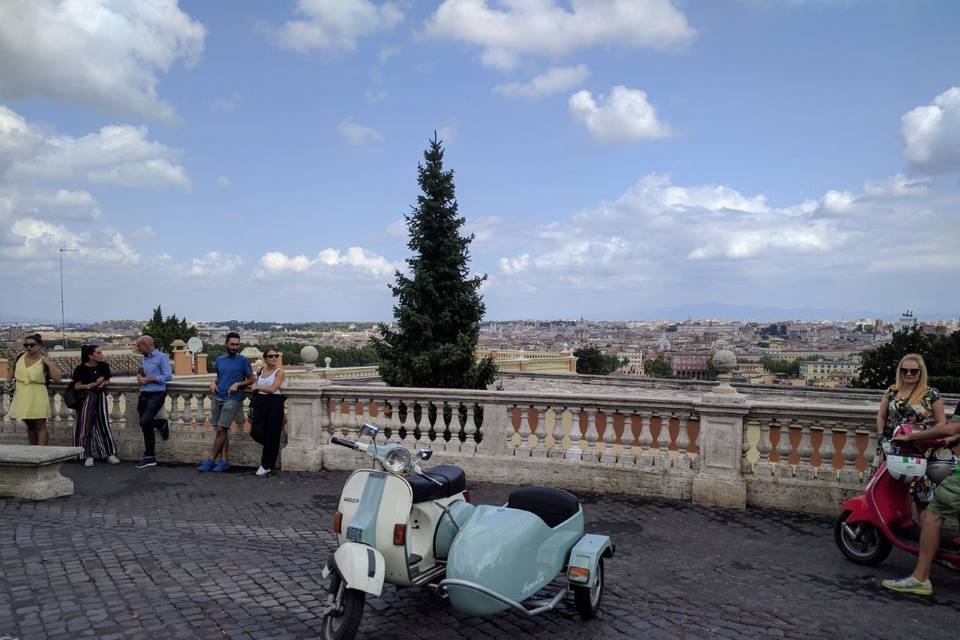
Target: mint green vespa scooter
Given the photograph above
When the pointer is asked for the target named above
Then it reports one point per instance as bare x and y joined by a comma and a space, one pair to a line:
401, 525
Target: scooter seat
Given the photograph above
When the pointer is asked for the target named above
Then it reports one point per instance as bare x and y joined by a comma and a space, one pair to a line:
452, 481
550, 504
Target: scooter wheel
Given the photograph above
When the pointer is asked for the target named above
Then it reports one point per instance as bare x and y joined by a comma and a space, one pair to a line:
861, 542
587, 599
344, 626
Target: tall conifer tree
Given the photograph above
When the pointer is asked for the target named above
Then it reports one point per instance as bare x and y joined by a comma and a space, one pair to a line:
439, 306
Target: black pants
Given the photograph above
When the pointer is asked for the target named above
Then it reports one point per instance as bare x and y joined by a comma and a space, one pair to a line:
268, 426
149, 405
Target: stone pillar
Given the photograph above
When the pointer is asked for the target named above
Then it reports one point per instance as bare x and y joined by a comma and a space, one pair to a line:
497, 429
719, 481
306, 419
182, 363
201, 364
4, 368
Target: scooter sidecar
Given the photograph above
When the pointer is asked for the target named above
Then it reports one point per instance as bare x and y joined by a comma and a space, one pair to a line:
504, 555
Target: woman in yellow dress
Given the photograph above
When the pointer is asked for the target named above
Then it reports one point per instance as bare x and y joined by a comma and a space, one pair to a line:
31, 401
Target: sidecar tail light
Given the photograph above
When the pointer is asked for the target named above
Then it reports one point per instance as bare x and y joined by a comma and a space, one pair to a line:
466, 495
578, 574
337, 521
400, 534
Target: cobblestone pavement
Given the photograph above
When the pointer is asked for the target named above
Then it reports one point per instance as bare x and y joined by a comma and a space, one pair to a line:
169, 553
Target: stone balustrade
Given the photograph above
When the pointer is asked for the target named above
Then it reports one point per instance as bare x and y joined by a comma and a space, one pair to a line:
733, 450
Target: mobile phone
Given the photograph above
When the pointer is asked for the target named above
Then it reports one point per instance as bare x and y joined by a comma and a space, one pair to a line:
141, 372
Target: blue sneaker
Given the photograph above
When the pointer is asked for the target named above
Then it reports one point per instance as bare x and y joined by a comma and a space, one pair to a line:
205, 466
221, 466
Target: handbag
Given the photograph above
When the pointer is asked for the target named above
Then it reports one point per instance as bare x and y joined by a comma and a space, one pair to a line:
71, 397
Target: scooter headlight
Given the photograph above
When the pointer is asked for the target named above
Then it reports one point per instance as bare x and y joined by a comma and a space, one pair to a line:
397, 460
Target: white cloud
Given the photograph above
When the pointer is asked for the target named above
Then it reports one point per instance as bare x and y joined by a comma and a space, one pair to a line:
358, 134
223, 183
931, 134
213, 263
624, 116
62, 204
33, 239
336, 24
95, 52
543, 27
896, 186
552, 81
143, 233
483, 229
119, 155
354, 259
448, 134
389, 52
837, 202
515, 265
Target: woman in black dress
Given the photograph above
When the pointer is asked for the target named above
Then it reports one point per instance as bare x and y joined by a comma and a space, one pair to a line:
92, 432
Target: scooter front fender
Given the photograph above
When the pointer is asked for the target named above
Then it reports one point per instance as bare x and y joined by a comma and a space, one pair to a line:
361, 566
859, 509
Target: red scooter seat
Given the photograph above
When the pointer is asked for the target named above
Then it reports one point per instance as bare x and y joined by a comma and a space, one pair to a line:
452, 481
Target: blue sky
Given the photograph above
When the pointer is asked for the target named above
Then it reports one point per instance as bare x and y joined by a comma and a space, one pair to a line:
254, 160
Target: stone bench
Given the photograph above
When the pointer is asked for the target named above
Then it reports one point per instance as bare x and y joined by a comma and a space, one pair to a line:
33, 473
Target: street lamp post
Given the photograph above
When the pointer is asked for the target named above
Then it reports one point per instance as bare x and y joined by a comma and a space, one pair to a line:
63, 330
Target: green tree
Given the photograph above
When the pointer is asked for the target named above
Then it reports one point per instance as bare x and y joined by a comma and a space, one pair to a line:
659, 367
789, 368
592, 361
165, 331
879, 368
439, 307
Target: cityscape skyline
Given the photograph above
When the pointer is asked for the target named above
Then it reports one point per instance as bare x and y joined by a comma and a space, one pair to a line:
614, 160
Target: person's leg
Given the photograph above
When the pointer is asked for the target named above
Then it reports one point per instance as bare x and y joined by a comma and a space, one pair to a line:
930, 524
148, 406
43, 437
273, 429
218, 442
31, 431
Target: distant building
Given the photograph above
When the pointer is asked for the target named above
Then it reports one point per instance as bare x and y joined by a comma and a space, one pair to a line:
906, 321
840, 371
691, 366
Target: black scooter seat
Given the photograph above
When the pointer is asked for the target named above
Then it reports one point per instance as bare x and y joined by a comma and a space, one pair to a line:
452, 481
550, 504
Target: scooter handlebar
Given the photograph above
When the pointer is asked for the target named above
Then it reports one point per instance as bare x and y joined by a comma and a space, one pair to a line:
343, 442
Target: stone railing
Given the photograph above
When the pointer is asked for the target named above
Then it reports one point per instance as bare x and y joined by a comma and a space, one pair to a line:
714, 448
532, 361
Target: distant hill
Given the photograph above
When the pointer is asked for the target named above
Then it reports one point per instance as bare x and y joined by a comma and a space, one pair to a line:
719, 311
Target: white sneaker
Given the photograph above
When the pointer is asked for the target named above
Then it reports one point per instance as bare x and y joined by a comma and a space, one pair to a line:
261, 472
88, 462
113, 460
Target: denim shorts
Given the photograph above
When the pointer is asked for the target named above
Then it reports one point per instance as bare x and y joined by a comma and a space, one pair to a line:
225, 412
946, 499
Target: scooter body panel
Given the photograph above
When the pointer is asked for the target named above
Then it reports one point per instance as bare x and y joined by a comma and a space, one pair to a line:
361, 567
509, 551
371, 505
586, 554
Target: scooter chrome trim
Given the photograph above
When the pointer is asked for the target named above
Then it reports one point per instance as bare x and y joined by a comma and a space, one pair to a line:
466, 584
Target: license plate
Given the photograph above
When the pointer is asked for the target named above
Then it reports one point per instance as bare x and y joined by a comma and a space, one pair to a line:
354, 534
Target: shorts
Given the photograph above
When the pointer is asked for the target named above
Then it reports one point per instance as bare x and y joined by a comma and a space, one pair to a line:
225, 412
946, 499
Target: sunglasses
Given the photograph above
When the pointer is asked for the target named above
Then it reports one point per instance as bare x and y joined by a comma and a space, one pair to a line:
909, 372
271, 355
29, 345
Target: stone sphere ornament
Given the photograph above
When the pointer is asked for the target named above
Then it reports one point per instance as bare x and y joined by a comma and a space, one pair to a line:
309, 354
725, 361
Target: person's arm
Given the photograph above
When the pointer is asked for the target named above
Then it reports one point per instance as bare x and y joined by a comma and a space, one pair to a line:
166, 370
246, 382
882, 414
944, 430
79, 386
939, 414
53, 368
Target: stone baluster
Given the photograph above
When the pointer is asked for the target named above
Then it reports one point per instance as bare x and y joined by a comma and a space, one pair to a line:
827, 452
115, 412
763, 467
870, 453
174, 415
663, 442
352, 422
784, 449
188, 410
683, 443
418, 428
591, 436
393, 421
457, 427
336, 416
646, 458
609, 454
409, 424
524, 449
66, 413
541, 433
805, 468
574, 452
363, 412
628, 438
849, 472
557, 433
469, 444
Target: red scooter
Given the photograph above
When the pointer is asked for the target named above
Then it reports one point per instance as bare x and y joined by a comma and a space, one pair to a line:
870, 524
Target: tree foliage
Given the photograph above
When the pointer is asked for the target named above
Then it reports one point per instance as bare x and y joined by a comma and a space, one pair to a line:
592, 361
165, 330
786, 367
439, 306
659, 367
941, 354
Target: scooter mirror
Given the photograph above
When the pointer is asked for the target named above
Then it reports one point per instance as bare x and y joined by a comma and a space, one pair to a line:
369, 430
424, 454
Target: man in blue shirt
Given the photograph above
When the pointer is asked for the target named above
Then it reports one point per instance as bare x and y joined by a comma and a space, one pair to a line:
233, 373
154, 374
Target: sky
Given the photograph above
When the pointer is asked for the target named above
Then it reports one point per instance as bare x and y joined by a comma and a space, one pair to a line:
255, 160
